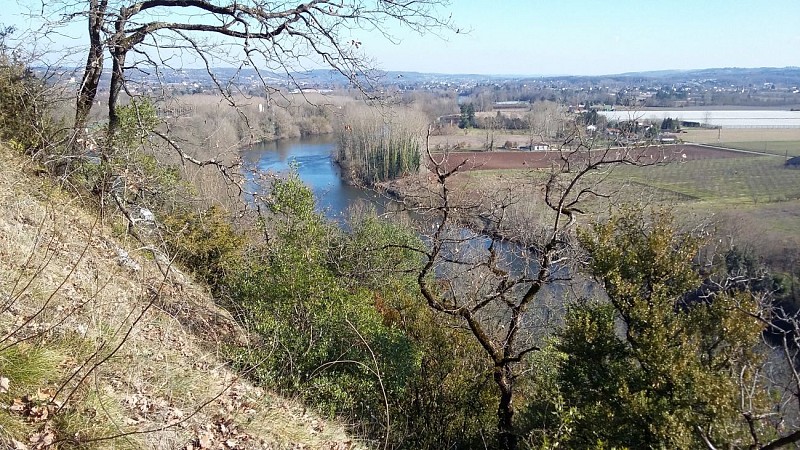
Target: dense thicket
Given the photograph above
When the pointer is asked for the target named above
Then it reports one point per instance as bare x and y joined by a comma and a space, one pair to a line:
375, 147
657, 370
26, 101
338, 323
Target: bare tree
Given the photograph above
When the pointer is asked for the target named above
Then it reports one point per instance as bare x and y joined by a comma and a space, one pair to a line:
498, 280
265, 35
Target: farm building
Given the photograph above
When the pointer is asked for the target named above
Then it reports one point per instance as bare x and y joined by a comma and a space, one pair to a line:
536, 147
510, 104
793, 163
667, 138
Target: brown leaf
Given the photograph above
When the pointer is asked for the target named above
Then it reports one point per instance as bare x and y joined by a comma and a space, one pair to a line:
44, 438
39, 413
44, 395
18, 405
205, 440
132, 421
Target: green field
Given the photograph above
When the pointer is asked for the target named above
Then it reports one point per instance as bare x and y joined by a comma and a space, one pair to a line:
754, 197
722, 181
719, 182
780, 148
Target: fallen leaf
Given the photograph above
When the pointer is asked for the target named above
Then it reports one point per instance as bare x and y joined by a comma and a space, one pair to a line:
17, 405
205, 441
44, 395
131, 421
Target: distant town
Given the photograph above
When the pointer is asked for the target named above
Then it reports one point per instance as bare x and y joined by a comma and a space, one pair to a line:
739, 87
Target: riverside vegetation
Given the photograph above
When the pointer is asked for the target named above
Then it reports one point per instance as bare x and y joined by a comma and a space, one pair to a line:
359, 323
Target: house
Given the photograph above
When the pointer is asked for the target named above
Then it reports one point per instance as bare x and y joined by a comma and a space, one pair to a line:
541, 147
536, 147
667, 139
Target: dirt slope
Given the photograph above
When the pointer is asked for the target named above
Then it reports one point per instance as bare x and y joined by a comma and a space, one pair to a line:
126, 343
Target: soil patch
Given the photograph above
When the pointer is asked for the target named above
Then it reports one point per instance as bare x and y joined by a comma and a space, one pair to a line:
543, 160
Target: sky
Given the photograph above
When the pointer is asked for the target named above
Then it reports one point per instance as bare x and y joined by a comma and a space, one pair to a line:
583, 37
589, 37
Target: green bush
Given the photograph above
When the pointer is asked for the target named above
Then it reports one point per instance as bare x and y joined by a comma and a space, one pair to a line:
318, 333
205, 242
136, 121
341, 325
650, 362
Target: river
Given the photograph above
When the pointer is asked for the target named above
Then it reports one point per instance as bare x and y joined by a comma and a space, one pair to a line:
312, 158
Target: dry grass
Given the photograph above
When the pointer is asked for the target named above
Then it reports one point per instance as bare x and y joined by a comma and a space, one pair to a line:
71, 294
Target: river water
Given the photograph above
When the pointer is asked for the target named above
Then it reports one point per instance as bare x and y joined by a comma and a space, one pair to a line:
311, 156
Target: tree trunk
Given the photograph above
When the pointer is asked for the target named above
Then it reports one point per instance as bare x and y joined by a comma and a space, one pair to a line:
117, 79
93, 69
505, 411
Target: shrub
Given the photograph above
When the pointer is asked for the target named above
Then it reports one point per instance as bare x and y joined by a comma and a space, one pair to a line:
136, 121
205, 242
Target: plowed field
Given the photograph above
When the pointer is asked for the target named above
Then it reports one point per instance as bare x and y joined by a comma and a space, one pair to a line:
542, 160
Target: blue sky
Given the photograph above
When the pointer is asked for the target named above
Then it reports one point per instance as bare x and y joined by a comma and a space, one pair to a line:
583, 37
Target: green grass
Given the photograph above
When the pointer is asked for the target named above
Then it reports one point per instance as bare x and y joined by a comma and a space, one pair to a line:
780, 148
725, 181
739, 180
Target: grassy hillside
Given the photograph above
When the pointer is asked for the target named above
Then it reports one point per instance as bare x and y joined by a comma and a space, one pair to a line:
106, 345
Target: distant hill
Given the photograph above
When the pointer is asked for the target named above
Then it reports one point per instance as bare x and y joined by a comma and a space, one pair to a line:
730, 75
326, 78
734, 75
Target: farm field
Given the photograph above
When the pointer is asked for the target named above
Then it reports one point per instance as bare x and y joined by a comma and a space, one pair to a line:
755, 198
748, 195
722, 181
540, 160
723, 135
780, 148
775, 141
476, 140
